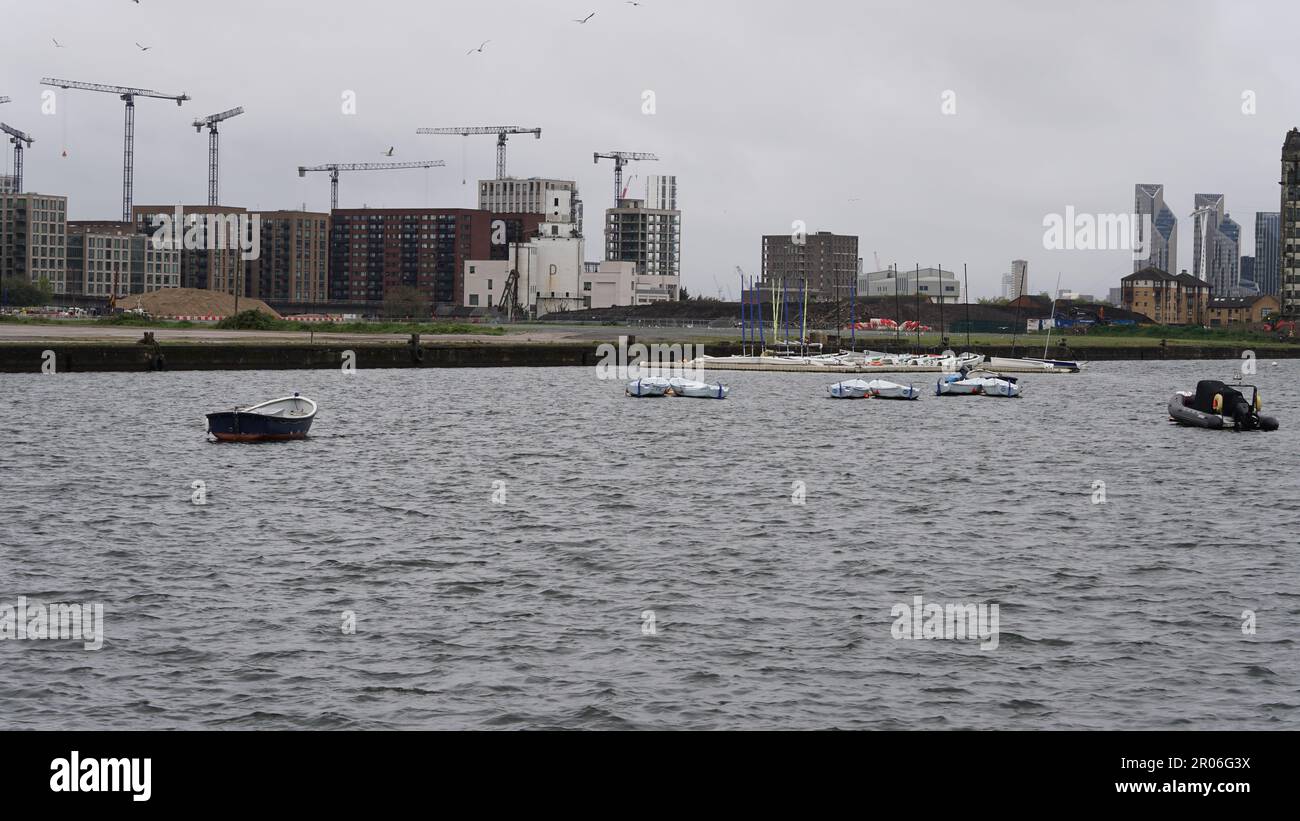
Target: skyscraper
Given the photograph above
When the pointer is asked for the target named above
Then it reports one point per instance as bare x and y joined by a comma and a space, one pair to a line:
1225, 266
1216, 247
1149, 200
1246, 285
1209, 210
1016, 283
1289, 234
1268, 225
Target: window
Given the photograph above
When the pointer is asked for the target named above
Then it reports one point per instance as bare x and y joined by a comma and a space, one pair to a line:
473, 299
489, 284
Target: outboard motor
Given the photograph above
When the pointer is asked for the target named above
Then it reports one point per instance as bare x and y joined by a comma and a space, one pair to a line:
1213, 396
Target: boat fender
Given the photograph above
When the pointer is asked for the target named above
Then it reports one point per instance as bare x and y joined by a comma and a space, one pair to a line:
1258, 404
1217, 404
417, 353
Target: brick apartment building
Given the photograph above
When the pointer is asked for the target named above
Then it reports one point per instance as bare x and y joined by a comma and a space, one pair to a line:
374, 249
1167, 299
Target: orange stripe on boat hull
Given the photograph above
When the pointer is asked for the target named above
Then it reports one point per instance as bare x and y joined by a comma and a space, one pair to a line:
258, 437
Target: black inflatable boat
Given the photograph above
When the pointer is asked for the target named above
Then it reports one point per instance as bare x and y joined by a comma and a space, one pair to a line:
1219, 406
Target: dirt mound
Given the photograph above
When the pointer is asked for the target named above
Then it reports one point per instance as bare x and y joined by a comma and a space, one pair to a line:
192, 302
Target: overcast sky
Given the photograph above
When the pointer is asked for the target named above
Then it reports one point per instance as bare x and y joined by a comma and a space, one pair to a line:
767, 112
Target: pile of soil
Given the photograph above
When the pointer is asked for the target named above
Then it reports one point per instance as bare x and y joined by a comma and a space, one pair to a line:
168, 302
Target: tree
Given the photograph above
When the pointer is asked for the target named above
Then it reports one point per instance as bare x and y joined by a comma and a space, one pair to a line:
406, 302
47, 293
22, 293
683, 295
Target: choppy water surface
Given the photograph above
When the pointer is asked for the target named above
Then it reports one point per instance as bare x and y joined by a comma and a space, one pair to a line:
768, 614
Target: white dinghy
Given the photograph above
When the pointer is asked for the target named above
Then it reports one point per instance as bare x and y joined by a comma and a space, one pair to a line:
1005, 386
697, 390
956, 384
649, 386
849, 389
884, 389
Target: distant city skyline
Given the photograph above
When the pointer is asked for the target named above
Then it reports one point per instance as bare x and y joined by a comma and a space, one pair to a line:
759, 135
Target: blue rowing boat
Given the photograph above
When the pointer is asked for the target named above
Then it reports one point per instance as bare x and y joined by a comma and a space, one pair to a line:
274, 421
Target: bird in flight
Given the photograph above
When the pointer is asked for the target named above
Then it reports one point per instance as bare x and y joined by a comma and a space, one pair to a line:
479, 49
143, 48
57, 44
389, 152
585, 19
633, 3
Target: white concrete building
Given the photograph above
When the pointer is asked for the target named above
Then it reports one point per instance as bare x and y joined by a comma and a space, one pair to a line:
557, 199
937, 284
550, 271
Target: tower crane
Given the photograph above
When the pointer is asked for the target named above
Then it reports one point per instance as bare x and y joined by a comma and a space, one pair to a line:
210, 123
620, 158
17, 138
127, 96
502, 131
335, 168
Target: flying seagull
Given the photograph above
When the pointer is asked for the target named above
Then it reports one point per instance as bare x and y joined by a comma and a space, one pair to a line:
633, 3
57, 44
585, 19
479, 49
143, 48
389, 152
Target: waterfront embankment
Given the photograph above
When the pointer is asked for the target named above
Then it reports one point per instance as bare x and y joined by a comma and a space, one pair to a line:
90, 357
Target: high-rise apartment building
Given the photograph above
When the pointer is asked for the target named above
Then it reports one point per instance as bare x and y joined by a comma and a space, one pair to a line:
827, 262
661, 192
33, 238
1268, 226
374, 250
293, 257
1289, 233
1162, 245
113, 259
650, 238
209, 240
1016, 283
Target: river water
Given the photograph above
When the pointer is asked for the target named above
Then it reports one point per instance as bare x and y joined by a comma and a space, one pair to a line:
648, 563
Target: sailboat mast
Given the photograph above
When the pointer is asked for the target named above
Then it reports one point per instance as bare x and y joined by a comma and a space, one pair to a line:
853, 319
942, 338
803, 332
916, 286
966, 276
1052, 315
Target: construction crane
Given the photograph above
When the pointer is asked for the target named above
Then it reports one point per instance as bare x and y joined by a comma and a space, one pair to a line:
620, 158
502, 131
211, 124
335, 168
127, 96
17, 138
